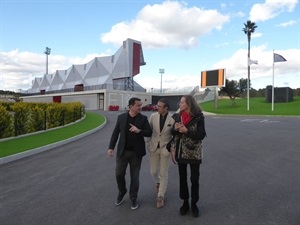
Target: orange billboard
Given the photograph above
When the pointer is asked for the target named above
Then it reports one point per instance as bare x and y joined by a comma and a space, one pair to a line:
213, 78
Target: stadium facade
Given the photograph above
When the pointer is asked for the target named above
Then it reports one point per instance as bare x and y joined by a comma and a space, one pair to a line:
102, 82
108, 72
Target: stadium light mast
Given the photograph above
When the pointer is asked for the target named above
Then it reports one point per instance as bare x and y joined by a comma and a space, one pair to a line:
161, 71
47, 52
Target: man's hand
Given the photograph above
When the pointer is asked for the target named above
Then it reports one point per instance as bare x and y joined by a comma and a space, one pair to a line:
134, 129
110, 152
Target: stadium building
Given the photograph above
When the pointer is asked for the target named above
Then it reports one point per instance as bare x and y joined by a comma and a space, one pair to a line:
99, 84
102, 82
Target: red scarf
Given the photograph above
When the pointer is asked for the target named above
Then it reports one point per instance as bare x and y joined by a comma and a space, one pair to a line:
185, 118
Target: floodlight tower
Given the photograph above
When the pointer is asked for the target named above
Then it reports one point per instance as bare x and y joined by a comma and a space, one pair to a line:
47, 52
161, 71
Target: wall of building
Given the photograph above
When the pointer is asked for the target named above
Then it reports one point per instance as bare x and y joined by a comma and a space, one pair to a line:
102, 99
93, 99
90, 101
281, 94
121, 98
39, 98
174, 99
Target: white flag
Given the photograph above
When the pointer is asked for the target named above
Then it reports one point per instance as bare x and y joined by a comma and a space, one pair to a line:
278, 58
250, 61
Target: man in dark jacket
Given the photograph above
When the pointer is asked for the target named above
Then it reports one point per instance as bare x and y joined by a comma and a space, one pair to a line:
131, 128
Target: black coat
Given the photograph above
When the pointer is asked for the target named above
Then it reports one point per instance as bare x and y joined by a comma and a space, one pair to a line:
119, 132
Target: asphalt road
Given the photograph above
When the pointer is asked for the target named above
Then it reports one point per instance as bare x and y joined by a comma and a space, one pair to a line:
250, 176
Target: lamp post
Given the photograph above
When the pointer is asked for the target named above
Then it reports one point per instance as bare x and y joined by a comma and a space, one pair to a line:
47, 52
161, 71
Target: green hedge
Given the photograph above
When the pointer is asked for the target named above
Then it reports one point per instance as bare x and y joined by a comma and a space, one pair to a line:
6, 123
23, 118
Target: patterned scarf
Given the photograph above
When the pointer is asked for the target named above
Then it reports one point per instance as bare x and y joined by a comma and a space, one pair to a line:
185, 118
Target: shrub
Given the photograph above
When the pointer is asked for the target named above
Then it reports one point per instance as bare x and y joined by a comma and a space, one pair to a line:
37, 118
6, 123
31, 117
22, 118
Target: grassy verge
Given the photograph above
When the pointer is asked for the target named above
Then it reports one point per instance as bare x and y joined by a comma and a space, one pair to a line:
257, 106
25, 143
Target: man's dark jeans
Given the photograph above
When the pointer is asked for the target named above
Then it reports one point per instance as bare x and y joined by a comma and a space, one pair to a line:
134, 161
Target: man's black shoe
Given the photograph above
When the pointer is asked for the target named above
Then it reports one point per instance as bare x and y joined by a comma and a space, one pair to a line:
185, 207
195, 209
120, 198
134, 204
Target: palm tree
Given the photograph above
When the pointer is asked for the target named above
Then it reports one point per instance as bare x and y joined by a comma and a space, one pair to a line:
248, 30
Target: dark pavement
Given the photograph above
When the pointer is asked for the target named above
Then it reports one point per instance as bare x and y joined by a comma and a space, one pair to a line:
250, 176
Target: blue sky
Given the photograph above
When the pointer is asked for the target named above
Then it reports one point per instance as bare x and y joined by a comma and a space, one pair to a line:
182, 37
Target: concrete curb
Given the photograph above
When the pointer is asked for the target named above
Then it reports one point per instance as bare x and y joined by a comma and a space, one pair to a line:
27, 153
208, 114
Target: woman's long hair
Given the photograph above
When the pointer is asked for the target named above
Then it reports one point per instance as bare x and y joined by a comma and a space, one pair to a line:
193, 105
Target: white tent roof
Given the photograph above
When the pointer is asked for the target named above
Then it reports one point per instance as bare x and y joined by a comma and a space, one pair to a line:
123, 64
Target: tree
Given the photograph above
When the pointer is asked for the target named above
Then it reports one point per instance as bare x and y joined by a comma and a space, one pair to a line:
296, 92
248, 30
234, 88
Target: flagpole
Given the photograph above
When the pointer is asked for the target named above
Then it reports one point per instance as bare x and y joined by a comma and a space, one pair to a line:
276, 58
273, 84
248, 95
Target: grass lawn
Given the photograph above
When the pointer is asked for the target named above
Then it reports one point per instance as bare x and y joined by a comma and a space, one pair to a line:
257, 106
25, 143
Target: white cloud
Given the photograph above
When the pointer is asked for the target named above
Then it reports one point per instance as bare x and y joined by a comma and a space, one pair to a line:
223, 5
239, 14
270, 9
286, 24
236, 66
18, 69
256, 35
170, 24
169, 81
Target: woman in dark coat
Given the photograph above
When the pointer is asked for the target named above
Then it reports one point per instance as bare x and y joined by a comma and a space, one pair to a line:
186, 148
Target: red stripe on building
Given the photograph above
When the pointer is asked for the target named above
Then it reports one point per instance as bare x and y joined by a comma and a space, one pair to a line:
136, 59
